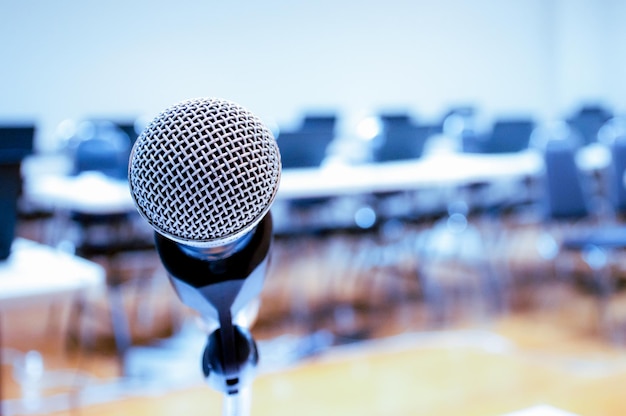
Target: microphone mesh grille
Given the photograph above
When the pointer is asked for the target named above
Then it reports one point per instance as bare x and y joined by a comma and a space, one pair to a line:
204, 171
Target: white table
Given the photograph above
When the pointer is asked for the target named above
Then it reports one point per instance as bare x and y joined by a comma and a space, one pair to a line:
88, 193
94, 193
34, 272
449, 169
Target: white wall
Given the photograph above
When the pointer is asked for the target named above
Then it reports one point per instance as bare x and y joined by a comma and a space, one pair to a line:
615, 51
582, 45
75, 59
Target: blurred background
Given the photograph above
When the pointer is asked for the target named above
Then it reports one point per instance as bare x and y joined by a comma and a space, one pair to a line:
449, 221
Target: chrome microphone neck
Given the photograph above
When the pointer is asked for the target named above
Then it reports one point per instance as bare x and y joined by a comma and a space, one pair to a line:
213, 253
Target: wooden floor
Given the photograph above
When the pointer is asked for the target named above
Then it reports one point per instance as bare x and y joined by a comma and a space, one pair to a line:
392, 354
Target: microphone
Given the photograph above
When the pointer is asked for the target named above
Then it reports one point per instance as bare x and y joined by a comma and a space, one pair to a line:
204, 174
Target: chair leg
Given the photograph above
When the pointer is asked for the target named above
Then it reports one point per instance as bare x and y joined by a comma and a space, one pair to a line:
119, 322
74, 333
607, 326
598, 261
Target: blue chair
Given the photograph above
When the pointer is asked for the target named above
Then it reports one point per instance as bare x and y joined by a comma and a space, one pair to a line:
10, 188
320, 122
130, 128
16, 142
588, 233
401, 142
506, 136
588, 121
302, 149
567, 196
105, 148
616, 176
395, 118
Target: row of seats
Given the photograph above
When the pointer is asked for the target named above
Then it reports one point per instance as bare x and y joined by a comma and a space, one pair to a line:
400, 136
565, 212
580, 211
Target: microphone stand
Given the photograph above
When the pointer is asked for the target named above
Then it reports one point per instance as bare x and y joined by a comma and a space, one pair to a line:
220, 287
237, 404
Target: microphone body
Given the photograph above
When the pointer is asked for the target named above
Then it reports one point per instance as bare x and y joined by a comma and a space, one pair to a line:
219, 289
196, 280
204, 174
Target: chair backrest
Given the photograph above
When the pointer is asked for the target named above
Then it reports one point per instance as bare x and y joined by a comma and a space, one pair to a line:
566, 194
10, 187
397, 118
130, 129
105, 150
509, 135
616, 184
588, 121
301, 149
402, 142
324, 122
16, 141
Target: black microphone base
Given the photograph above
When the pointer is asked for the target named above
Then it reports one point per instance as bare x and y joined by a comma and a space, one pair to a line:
246, 356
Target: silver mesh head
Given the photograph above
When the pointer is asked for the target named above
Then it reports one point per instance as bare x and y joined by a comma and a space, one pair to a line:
204, 172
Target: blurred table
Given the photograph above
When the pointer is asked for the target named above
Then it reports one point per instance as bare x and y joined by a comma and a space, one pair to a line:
95, 193
450, 169
34, 273
87, 193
